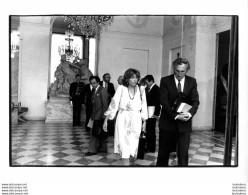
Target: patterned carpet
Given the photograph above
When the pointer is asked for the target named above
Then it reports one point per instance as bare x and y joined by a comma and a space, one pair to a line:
38, 144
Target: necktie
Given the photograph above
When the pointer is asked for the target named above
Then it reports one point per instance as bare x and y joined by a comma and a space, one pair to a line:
92, 95
179, 88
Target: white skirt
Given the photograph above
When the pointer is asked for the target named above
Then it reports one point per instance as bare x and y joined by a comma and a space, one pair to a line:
127, 132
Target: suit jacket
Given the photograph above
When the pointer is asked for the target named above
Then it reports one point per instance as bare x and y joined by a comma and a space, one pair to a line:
168, 95
88, 103
99, 103
152, 98
110, 90
77, 91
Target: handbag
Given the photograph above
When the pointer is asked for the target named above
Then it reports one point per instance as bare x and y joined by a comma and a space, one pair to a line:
90, 123
142, 140
96, 129
141, 147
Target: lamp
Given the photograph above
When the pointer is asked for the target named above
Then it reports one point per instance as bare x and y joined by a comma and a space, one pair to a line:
68, 49
14, 43
89, 25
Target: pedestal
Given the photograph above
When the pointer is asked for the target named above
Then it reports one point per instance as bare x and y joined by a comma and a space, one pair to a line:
58, 110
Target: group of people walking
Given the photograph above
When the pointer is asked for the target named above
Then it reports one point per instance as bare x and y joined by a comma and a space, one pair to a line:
134, 108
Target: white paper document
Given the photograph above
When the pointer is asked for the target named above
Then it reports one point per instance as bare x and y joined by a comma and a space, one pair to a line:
90, 123
184, 107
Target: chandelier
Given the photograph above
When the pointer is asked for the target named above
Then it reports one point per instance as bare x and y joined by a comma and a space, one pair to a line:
68, 48
89, 25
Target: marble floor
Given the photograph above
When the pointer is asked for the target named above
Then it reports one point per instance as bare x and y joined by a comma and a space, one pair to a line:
35, 143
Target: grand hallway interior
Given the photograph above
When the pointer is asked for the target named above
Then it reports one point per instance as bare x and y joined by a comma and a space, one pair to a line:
36, 143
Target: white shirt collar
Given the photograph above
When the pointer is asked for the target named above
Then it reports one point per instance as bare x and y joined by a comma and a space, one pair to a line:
182, 82
104, 84
151, 86
97, 88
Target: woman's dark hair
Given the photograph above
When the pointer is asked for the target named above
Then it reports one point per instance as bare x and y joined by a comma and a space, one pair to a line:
95, 77
129, 74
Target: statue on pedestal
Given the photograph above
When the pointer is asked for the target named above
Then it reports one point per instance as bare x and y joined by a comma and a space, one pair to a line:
84, 71
58, 107
65, 75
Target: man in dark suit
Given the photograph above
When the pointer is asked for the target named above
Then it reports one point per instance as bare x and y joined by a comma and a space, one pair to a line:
153, 103
111, 92
108, 86
77, 99
88, 104
99, 106
175, 128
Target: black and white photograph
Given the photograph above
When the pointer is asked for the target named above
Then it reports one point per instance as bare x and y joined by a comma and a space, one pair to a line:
49, 90
140, 99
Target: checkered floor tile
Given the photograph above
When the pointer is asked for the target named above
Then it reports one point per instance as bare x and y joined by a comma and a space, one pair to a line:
38, 144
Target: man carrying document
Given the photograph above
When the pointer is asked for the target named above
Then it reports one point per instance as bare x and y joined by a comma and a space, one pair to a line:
175, 125
152, 98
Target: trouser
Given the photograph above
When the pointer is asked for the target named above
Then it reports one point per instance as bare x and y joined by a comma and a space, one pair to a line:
88, 114
111, 127
151, 134
98, 144
167, 142
77, 106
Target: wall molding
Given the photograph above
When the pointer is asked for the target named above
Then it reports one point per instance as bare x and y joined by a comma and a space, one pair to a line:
128, 34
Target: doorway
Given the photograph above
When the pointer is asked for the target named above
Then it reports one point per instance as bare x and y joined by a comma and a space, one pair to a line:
223, 42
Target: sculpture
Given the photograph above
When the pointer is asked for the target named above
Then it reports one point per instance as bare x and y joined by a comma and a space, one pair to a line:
65, 74
84, 71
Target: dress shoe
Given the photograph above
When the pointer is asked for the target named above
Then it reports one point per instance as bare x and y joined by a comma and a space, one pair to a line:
173, 155
132, 159
89, 154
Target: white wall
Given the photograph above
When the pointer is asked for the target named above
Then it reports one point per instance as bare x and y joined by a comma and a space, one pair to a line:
34, 65
205, 59
199, 42
174, 39
205, 75
124, 46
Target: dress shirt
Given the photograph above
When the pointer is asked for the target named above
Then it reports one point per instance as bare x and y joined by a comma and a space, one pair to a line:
182, 83
105, 85
182, 87
151, 87
95, 90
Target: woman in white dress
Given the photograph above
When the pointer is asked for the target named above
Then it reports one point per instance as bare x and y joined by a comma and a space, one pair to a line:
130, 102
